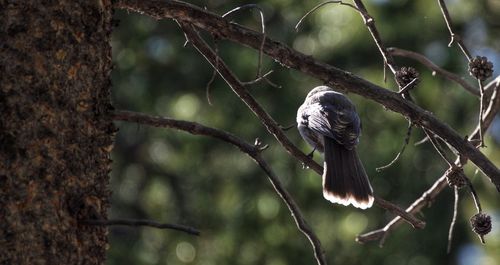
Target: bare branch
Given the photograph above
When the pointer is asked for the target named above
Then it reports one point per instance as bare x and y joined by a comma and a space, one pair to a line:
263, 29
238, 88
212, 78
481, 111
438, 148
412, 220
424, 140
149, 223
370, 24
321, 5
454, 37
253, 151
426, 198
453, 220
429, 195
254, 81
187, 126
332, 76
407, 140
429, 64
301, 223
265, 118
408, 86
474, 196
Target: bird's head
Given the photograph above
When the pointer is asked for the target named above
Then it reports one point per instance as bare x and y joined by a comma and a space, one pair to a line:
319, 89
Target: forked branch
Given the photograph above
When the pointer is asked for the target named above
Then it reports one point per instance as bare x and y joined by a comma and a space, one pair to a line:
214, 24
254, 151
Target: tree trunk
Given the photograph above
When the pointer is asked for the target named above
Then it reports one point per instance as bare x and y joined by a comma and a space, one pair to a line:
55, 130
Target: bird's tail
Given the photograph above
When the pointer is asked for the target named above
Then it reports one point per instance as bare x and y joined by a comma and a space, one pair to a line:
344, 177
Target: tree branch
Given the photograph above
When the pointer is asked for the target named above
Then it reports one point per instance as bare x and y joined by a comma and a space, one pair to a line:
453, 220
427, 197
135, 222
252, 150
429, 64
454, 37
265, 118
438, 186
186, 13
370, 23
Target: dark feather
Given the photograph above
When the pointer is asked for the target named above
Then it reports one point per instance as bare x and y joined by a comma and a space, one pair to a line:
344, 177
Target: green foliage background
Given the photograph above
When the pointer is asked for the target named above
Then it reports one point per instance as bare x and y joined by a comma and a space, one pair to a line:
171, 176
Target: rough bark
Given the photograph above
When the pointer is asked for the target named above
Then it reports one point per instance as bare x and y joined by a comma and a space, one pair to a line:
55, 130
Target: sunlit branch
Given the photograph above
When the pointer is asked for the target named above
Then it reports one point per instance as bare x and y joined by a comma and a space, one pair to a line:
430, 194
135, 222
253, 151
429, 64
454, 36
202, 19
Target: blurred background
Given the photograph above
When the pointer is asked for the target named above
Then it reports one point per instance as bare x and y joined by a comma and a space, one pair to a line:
174, 177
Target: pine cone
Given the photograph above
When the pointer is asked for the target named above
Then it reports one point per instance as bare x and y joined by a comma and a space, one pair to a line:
405, 75
456, 177
480, 68
481, 224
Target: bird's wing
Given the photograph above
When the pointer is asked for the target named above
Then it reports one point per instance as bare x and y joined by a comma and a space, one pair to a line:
335, 121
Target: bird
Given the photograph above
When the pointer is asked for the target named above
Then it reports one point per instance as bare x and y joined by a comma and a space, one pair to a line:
328, 121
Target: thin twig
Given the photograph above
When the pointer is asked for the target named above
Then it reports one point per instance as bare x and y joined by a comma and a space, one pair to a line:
453, 220
458, 39
440, 184
136, 222
263, 30
255, 80
405, 89
236, 85
212, 78
424, 140
454, 37
426, 198
239, 89
438, 148
286, 128
429, 64
370, 24
208, 87
321, 5
252, 150
271, 125
407, 140
474, 195
413, 221
481, 111
331, 76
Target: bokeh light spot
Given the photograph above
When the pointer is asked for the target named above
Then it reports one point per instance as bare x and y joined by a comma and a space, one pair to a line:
126, 59
186, 106
354, 223
268, 206
185, 252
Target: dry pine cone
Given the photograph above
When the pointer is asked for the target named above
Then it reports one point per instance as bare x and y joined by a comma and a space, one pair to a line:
456, 177
405, 75
480, 68
481, 224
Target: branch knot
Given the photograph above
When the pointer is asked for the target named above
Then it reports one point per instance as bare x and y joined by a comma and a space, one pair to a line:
456, 177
